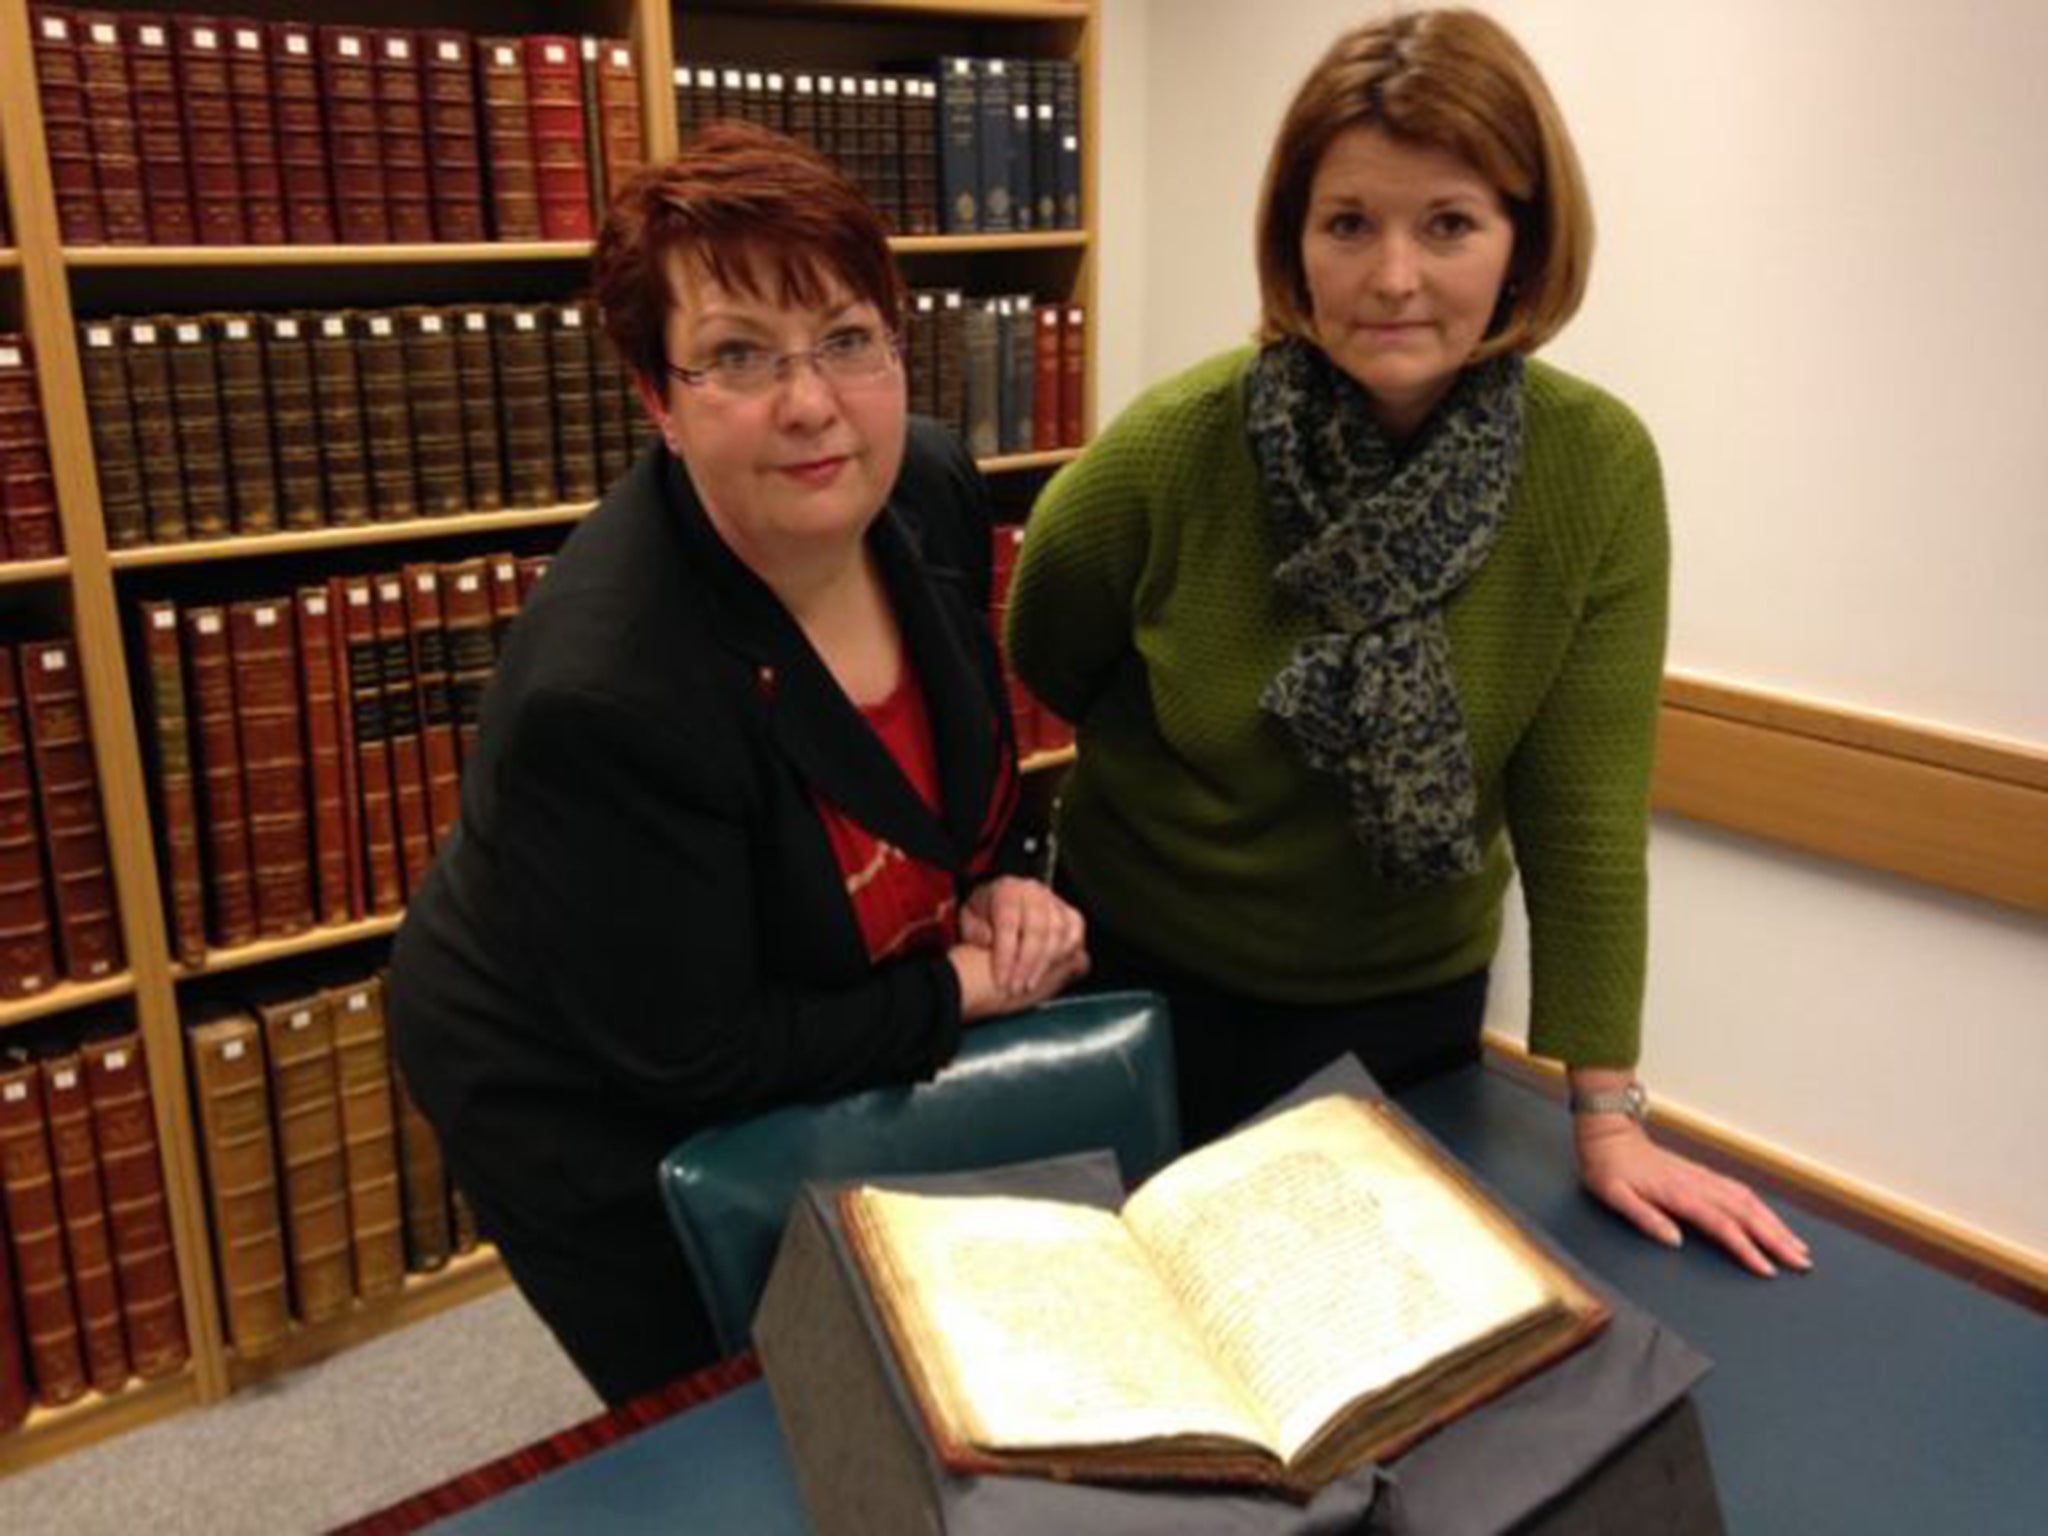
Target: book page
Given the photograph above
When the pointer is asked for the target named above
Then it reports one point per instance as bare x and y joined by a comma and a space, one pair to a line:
1043, 1323
1323, 1258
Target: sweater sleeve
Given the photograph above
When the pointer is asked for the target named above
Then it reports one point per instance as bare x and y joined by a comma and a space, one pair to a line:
1578, 784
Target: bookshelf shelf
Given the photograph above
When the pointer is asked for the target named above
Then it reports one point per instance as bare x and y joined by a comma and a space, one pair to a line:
1046, 762
962, 245
22, 573
1017, 463
10, 258
159, 257
54, 1431
963, 10
252, 546
65, 996
311, 942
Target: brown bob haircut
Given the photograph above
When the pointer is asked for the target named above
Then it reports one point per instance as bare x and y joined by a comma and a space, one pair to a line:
1451, 80
758, 213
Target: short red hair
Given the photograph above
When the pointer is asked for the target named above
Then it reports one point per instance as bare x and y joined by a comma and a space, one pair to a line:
745, 205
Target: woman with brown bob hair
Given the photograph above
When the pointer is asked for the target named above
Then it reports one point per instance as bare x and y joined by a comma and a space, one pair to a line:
1343, 616
738, 829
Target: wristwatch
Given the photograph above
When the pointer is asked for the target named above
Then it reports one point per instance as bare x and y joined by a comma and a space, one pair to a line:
1631, 1100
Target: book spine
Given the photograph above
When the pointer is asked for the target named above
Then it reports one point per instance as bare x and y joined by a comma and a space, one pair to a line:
241, 1179
561, 165
508, 138
245, 413
307, 182
206, 103
15, 1395
145, 349
1067, 120
483, 448
344, 460
184, 874
334, 829
131, 1172
160, 130
294, 421
921, 356
520, 343
387, 417
613, 400
434, 388
423, 1182
305, 1101
28, 1186
568, 344
983, 379
467, 613
273, 755
75, 1162
455, 156
112, 418
993, 100
922, 148
28, 494
1047, 363
368, 728
402, 726
620, 128
202, 448
369, 1132
593, 146
531, 569
1023, 189
1045, 144
28, 956
230, 878
952, 361
432, 673
348, 97
253, 104
67, 128
891, 150
74, 836
1074, 377
402, 135
110, 117
505, 598
1020, 380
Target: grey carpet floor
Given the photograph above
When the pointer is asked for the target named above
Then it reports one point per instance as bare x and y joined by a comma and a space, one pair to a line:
323, 1445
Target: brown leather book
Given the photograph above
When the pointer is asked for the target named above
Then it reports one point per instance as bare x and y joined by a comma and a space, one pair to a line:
921, 154
433, 385
462, 1222
369, 1131
230, 870
110, 118
432, 674
254, 113
266, 670
466, 623
177, 804
561, 164
532, 569
159, 128
131, 1174
145, 347
525, 405
981, 363
1049, 374
245, 422
305, 1106
455, 155
308, 183
1074, 377
697, 102
15, 1396
49, 1317
88, 1244
569, 390
387, 416
366, 723
348, 98
402, 134
952, 361
202, 446
337, 386
112, 419
28, 954
505, 596
28, 494
294, 410
508, 138
483, 441
621, 134
239, 1149
423, 1182
615, 405
67, 128
206, 104
335, 828
921, 352
74, 836
402, 731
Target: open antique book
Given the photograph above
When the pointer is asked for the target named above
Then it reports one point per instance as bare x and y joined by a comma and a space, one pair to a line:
1309, 1294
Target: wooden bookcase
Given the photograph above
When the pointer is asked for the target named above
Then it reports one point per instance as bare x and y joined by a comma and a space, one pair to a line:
45, 288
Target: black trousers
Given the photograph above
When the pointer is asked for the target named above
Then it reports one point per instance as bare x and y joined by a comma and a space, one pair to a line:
1234, 1054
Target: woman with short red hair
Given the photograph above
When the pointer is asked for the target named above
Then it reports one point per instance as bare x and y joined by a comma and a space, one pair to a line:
738, 830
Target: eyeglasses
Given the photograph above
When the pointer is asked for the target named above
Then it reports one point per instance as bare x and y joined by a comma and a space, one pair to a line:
850, 355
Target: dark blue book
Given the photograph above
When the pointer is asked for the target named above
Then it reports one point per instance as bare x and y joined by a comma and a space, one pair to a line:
995, 97
1045, 145
1067, 115
1023, 190
959, 147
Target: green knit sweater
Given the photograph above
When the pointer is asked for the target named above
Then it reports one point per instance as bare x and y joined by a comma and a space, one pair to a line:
1144, 610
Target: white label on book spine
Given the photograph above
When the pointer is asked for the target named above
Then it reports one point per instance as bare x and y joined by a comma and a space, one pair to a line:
188, 334
300, 1019
506, 570
399, 48
55, 30
467, 582
117, 1061
572, 319
231, 1050
151, 37
54, 661
143, 335
205, 38
286, 330
349, 47
104, 34
390, 591
590, 49
99, 335
236, 330
333, 325
248, 39
622, 58
64, 1079
358, 1002
359, 597
380, 325
10, 357
430, 325
266, 617
294, 43
555, 53
476, 320
16, 1092
523, 321
448, 51
424, 582
164, 618
206, 623
316, 605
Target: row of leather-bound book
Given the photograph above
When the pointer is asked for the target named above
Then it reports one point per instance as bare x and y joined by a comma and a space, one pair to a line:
28, 495
1039, 729
209, 130
1007, 373
207, 426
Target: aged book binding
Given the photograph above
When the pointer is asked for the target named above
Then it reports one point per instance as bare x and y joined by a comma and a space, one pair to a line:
138, 1215
74, 838
75, 1161
28, 1187
273, 754
369, 1138
28, 954
1313, 1293
298, 1038
228, 1083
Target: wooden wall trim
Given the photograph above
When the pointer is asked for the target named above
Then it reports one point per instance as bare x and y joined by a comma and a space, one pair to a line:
1962, 811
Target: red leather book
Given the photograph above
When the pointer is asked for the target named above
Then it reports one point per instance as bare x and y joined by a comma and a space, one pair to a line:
368, 726
1048, 374
508, 139
532, 570
402, 723
561, 163
74, 836
620, 132
1074, 377
67, 129
207, 105
110, 118
28, 955
455, 155
432, 674
230, 872
42, 1278
159, 128
334, 824
341, 426
505, 596
28, 495
273, 763
466, 622
132, 1176
295, 429
483, 432
402, 134
307, 182
348, 97
433, 388
74, 1153
177, 804
246, 396
254, 114
15, 1398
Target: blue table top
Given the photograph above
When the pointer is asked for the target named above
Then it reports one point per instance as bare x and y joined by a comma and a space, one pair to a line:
1873, 1395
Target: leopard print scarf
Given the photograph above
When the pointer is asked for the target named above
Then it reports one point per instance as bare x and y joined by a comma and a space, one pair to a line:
1374, 542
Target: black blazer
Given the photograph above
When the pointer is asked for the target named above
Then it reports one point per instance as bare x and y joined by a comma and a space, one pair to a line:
640, 927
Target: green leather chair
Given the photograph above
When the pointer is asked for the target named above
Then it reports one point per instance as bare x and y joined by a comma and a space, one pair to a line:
1072, 1075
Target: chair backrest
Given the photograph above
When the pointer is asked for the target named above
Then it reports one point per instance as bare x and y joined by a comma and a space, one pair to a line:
1072, 1075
